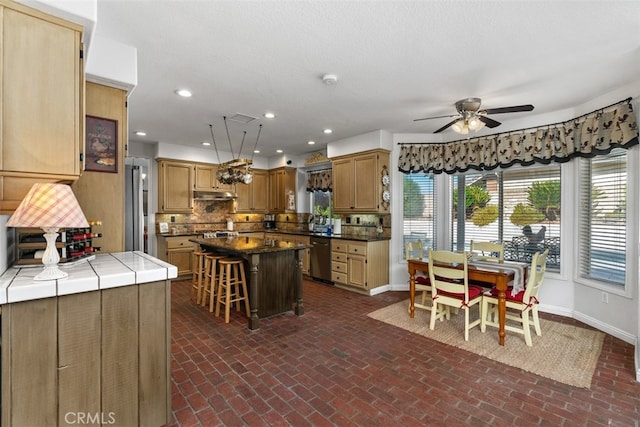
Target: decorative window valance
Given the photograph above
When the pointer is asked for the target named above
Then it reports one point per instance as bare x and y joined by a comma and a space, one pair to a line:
586, 136
319, 180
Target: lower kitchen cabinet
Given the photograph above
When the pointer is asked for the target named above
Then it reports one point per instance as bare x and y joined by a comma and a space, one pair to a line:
360, 264
178, 251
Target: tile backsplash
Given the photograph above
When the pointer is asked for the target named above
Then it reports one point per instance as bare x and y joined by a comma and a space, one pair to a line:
213, 215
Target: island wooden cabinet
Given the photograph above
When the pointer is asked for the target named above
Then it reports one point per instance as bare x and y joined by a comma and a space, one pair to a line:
254, 197
360, 264
282, 190
178, 251
175, 186
42, 89
357, 182
295, 238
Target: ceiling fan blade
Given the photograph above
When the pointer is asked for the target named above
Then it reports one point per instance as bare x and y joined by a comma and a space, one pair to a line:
514, 109
447, 125
489, 122
436, 117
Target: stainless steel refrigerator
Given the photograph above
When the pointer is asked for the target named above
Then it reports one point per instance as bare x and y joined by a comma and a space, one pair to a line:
134, 212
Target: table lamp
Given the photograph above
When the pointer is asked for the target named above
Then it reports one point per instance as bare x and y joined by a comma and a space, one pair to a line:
50, 207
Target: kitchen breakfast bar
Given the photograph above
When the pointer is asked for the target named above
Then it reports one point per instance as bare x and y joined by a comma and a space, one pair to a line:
274, 273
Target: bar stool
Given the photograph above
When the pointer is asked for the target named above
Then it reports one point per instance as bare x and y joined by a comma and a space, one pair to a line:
210, 279
197, 279
231, 278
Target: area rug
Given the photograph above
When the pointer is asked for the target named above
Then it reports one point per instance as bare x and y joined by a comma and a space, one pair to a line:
564, 353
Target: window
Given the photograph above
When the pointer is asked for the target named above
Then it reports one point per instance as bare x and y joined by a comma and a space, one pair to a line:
321, 207
603, 217
519, 206
418, 209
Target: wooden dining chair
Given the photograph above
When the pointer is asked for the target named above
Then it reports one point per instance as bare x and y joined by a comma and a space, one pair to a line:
490, 251
520, 305
449, 275
414, 250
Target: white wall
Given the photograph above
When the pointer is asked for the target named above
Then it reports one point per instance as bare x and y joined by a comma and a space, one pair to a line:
367, 141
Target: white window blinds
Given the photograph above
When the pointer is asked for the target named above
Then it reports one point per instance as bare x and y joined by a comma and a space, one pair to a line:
603, 196
418, 209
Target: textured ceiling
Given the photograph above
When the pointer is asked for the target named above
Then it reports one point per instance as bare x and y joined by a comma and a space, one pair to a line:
395, 61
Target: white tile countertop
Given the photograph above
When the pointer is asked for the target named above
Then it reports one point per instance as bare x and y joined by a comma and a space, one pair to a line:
102, 272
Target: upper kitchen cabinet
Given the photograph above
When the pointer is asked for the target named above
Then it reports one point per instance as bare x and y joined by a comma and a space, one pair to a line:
282, 190
206, 177
358, 182
42, 101
175, 186
254, 197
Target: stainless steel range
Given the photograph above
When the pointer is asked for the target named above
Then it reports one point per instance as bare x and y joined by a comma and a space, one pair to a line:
221, 233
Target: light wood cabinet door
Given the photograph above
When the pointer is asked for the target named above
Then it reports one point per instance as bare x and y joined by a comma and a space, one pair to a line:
366, 177
176, 187
342, 177
282, 183
357, 271
42, 89
260, 189
254, 197
182, 259
205, 177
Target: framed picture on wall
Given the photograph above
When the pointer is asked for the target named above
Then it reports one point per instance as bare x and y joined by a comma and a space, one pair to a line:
101, 145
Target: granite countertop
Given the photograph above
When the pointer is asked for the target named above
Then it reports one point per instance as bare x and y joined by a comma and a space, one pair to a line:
295, 232
247, 245
344, 236
102, 272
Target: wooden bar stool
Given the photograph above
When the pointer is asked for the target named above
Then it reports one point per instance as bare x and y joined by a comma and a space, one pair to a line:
210, 279
231, 278
197, 279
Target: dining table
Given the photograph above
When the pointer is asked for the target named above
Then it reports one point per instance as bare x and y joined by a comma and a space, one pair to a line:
495, 273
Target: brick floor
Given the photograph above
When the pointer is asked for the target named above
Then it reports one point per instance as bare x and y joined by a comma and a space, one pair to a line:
334, 366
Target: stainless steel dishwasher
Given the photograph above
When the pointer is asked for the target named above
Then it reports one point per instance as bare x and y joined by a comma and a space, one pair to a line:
320, 268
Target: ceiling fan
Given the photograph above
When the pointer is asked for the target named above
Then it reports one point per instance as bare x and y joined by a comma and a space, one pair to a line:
471, 117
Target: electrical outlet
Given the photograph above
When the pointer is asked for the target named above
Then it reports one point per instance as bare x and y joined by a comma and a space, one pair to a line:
605, 298
173, 219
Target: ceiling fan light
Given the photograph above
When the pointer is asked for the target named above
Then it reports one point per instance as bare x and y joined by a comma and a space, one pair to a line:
475, 124
460, 127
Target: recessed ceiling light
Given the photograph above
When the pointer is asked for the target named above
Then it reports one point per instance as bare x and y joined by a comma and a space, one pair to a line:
278, 151
256, 151
330, 79
184, 93
327, 131
311, 142
269, 115
141, 133
205, 143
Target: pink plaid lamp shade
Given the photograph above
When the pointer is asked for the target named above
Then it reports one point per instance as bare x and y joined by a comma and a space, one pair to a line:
49, 205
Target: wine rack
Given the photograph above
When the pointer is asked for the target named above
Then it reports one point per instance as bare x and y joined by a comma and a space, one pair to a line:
73, 244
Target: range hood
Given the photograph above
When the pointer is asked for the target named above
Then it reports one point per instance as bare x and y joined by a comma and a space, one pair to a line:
214, 195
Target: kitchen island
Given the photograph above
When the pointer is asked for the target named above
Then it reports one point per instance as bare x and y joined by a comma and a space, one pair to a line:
274, 273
